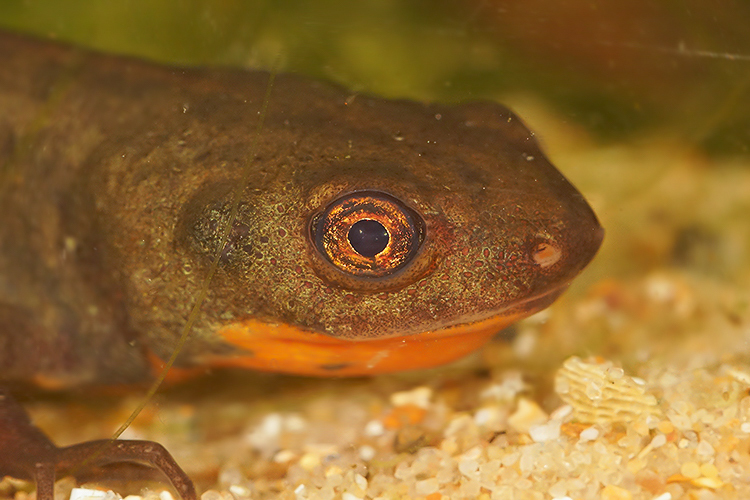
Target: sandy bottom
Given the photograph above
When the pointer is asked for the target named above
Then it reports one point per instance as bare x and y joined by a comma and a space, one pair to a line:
634, 385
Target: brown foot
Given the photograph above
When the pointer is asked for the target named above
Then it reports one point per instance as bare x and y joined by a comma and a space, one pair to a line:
28, 454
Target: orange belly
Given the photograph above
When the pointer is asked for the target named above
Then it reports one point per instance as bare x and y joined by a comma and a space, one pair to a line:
285, 348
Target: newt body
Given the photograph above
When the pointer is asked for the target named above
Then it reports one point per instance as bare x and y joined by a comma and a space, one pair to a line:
373, 235
117, 176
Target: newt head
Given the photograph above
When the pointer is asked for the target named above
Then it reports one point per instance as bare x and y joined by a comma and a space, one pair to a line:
374, 235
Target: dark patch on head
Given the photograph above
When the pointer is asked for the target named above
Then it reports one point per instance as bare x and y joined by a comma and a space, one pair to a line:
203, 219
238, 239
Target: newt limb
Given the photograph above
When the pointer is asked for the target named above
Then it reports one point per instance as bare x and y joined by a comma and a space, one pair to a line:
27, 453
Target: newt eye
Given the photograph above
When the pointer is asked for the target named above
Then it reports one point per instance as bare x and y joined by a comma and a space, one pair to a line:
368, 234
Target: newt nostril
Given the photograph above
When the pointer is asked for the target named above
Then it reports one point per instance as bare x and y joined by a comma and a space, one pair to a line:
546, 254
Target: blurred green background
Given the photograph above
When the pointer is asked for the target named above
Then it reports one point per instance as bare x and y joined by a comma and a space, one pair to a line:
620, 69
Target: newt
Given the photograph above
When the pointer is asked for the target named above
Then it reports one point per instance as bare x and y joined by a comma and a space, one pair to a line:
373, 236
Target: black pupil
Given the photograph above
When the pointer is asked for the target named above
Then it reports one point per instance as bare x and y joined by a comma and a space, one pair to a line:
368, 237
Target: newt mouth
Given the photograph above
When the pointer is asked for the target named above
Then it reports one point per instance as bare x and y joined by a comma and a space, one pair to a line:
279, 347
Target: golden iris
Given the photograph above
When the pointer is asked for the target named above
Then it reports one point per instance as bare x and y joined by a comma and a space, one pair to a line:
368, 234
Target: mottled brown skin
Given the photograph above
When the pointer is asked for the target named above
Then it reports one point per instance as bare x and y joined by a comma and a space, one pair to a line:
116, 176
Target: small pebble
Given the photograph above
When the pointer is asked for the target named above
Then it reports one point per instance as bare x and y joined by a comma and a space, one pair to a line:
91, 494
612, 492
527, 414
545, 432
420, 397
588, 434
690, 470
